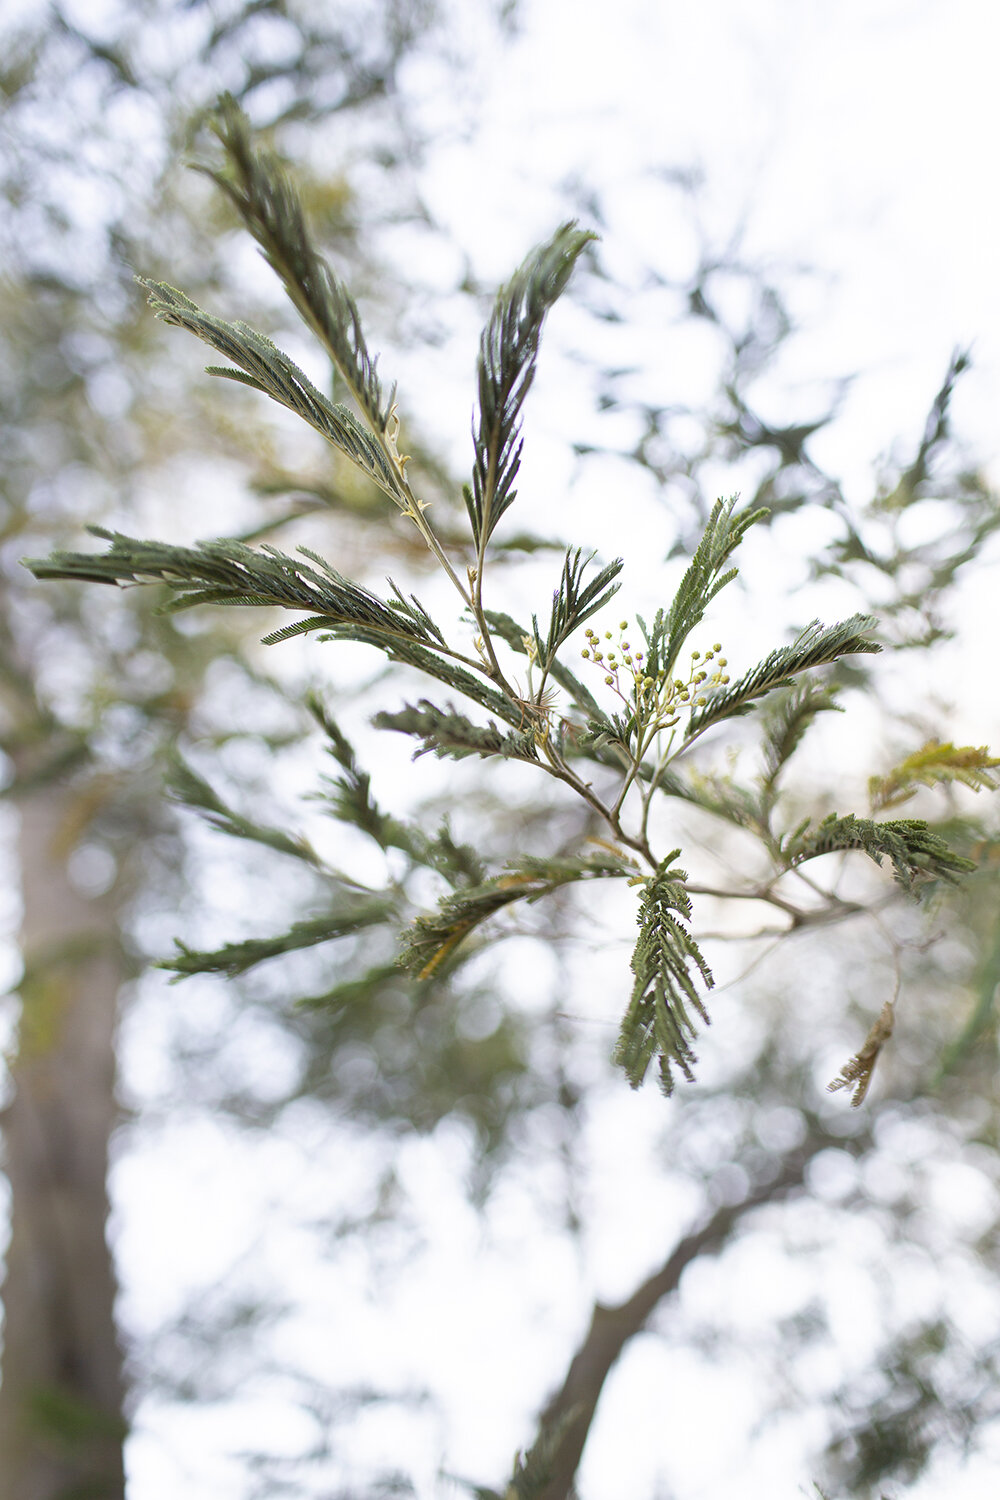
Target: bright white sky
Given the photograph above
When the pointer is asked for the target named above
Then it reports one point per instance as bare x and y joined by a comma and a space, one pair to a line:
858, 138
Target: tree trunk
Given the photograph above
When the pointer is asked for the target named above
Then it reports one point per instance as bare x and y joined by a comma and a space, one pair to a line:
61, 1423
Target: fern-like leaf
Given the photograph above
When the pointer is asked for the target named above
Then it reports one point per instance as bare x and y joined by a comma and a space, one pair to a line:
857, 1073
917, 854
434, 936
507, 359
701, 582
236, 958
573, 602
789, 717
450, 735
264, 367
187, 787
267, 202
666, 962
815, 647
230, 573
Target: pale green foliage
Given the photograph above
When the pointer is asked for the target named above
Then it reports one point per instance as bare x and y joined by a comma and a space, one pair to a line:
193, 791
932, 765
450, 734
433, 937
704, 578
612, 765
787, 720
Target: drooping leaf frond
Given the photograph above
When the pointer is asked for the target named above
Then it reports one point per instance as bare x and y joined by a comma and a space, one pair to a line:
701, 582
857, 1073
508, 354
434, 936
193, 791
573, 602
665, 963
450, 735
264, 367
267, 202
917, 854
236, 958
935, 764
815, 647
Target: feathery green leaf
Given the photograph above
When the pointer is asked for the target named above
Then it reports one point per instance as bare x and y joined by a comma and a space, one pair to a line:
699, 586
267, 202
236, 958
264, 367
918, 855
507, 358
193, 791
816, 646
785, 722
434, 936
226, 572
573, 602
932, 765
450, 735
657, 1022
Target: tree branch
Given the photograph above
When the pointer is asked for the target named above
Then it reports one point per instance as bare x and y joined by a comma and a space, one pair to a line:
611, 1328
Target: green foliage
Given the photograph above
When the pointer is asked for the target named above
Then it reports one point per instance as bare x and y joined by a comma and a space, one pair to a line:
573, 602
357, 913
265, 368
193, 791
790, 717
553, 722
434, 937
262, 194
917, 854
451, 735
226, 572
507, 359
658, 1022
703, 579
934, 764
857, 1073
817, 646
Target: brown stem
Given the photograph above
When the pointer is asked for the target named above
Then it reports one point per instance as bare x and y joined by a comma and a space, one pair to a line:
571, 1411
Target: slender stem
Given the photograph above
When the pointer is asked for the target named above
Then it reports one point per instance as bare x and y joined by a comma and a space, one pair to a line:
558, 768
